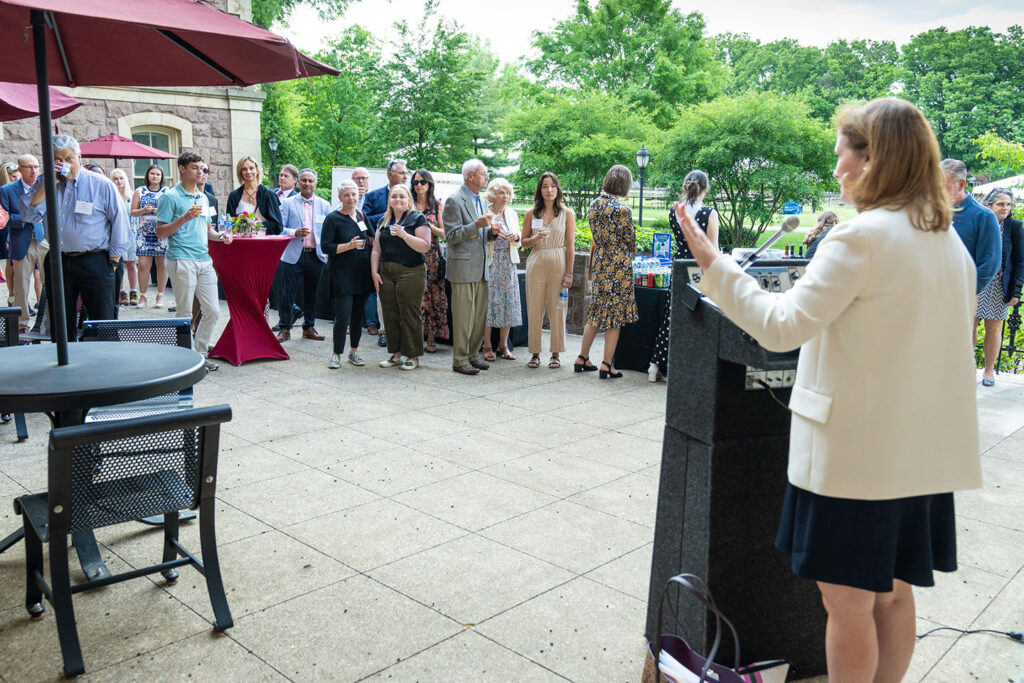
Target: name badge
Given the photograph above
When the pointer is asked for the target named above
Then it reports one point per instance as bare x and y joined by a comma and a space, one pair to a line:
538, 224
82, 207
362, 226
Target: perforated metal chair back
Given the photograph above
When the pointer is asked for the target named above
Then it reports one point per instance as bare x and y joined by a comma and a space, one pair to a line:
9, 337
169, 331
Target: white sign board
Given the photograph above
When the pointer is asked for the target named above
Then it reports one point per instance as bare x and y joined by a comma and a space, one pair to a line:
445, 184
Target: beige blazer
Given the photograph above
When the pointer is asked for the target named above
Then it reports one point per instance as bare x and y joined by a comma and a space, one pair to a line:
884, 401
512, 223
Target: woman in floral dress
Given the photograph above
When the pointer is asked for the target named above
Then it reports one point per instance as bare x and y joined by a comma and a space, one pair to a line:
435, 301
612, 304
148, 246
504, 309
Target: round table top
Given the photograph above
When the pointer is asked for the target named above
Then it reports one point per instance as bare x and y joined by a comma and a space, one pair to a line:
97, 374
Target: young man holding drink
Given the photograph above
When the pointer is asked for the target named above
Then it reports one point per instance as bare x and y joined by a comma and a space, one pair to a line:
183, 218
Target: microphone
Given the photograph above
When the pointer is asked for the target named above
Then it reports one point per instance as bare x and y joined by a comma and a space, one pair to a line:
788, 225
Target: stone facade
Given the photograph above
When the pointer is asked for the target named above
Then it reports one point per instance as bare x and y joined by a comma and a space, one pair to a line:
221, 124
579, 293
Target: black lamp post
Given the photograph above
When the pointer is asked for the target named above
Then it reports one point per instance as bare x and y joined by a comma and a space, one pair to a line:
272, 144
642, 158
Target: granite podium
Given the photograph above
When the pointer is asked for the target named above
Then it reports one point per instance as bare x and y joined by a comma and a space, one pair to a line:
723, 478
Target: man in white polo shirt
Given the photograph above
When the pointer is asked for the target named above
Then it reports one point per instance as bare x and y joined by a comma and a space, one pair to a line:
183, 218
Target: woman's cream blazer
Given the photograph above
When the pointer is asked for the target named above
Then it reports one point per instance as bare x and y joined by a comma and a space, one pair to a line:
884, 401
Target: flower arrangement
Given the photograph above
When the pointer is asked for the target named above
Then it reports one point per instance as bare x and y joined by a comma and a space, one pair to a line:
246, 225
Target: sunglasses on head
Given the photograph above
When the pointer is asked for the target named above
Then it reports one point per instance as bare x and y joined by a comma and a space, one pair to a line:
420, 182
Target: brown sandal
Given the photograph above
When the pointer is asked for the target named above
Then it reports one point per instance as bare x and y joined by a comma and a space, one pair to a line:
534, 362
506, 354
489, 355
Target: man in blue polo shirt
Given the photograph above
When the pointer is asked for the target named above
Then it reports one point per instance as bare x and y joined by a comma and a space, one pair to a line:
976, 225
183, 218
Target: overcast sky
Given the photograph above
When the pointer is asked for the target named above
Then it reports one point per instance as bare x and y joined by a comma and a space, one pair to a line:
508, 25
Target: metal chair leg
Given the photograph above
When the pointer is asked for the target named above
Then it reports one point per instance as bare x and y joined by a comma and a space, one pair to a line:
63, 610
170, 524
33, 569
11, 540
211, 564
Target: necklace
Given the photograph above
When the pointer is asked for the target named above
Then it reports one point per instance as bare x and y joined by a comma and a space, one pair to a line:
249, 197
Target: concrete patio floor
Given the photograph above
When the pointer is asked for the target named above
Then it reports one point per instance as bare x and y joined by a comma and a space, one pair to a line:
424, 526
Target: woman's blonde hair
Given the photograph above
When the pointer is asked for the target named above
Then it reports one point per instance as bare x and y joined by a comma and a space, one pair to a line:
499, 184
126, 193
6, 171
825, 221
389, 214
903, 172
238, 170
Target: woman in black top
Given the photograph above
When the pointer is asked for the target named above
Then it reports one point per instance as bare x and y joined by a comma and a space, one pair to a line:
695, 187
344, 239
254, 197
400, 276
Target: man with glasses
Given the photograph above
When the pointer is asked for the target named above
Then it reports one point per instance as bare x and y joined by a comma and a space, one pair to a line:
361, 177
93, 223
27, 239
374, 207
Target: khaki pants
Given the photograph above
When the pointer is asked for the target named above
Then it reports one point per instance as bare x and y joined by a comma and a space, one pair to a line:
544, 272
469, 317
401, 293
23, 270
195, 279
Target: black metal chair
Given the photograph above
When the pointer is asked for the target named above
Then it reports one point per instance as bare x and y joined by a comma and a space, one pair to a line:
171, 331
111, 472
9, 337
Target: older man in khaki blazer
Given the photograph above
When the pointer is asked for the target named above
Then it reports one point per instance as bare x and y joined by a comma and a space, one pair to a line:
466, 233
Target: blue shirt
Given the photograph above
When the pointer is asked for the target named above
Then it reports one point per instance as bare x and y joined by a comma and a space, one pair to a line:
90, 214
190, 241
979, 231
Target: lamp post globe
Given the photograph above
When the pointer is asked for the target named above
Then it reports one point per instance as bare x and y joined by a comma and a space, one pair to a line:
643, 157
272, 144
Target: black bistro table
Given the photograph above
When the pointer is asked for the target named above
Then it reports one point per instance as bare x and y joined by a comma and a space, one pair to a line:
97, 374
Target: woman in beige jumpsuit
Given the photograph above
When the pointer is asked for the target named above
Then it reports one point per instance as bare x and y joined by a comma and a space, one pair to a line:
549, 229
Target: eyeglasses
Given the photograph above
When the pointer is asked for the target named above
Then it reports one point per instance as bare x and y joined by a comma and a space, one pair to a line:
205, 170
33, 166
420, 182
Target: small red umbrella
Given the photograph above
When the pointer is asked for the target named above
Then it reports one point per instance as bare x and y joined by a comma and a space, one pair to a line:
19, 101
116, 147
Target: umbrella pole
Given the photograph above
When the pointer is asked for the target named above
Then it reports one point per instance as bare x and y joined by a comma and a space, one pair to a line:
55, 283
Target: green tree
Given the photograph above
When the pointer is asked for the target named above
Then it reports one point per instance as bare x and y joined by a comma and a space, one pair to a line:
966, 81
266, 12
578, 137
642, 50
434, 113
760, 151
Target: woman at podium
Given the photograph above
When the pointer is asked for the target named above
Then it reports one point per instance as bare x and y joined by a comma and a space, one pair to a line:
884, 422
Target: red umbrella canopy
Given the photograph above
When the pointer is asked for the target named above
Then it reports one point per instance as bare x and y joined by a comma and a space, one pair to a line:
117, 147
156, 42
19, 101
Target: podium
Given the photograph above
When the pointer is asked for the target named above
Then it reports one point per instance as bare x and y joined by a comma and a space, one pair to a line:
723, 480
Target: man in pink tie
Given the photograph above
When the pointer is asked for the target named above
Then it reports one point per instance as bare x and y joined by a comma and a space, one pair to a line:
302, 218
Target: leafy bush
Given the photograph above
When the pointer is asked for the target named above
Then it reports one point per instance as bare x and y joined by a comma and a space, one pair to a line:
1005, 363
644, 238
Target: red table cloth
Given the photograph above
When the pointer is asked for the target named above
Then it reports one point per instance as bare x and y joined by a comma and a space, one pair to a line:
246, 270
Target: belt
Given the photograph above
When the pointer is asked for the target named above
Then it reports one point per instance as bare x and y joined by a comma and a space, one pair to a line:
76, 254
306, 250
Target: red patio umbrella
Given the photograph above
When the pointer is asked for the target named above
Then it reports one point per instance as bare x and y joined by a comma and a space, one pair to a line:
118, 42
19, 101
116, 147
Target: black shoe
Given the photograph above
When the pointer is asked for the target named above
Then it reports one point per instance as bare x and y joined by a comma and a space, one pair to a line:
605, 374
382, 340
585, 366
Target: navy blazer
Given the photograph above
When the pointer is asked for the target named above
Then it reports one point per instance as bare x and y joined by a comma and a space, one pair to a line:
376, 205
19, 234
1013, 259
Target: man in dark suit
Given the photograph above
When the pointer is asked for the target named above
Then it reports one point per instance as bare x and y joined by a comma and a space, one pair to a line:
27, 240
374, 206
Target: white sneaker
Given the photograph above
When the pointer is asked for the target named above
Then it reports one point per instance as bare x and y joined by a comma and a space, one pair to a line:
355, 360
335, 362
390, 362
410, 364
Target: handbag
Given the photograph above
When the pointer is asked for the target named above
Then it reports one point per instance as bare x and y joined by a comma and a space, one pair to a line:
670, 660
442, 264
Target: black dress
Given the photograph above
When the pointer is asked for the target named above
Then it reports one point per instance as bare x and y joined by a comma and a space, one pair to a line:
660, 354
348, 275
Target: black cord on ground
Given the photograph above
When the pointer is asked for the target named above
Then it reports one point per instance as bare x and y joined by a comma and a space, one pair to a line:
772, 393
1013, 635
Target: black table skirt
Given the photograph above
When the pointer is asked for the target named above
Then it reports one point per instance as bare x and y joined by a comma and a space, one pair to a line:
636, 341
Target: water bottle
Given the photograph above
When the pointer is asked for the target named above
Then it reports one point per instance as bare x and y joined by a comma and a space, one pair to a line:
563, 299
